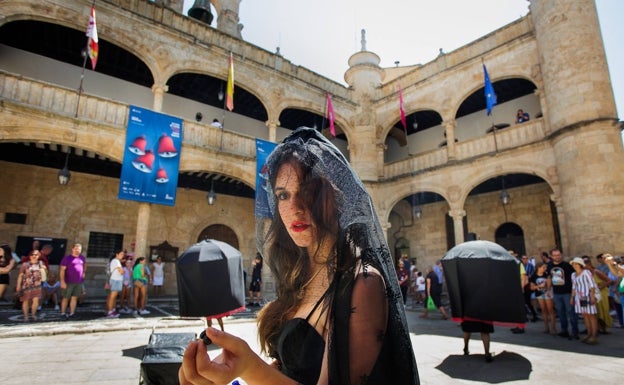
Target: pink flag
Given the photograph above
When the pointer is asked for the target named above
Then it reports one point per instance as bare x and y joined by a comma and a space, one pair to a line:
330, 115
402, 110
92, 42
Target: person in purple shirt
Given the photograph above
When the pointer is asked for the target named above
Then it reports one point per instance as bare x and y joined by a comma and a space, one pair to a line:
72, 272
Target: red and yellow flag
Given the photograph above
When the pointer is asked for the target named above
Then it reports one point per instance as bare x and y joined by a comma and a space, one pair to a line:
92, 42
229, 94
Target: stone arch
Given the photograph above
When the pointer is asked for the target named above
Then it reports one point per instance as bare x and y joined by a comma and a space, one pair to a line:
511, 236
293, 103
127, 42
478, 85
512, 168
402, 192
220, 232
389, 122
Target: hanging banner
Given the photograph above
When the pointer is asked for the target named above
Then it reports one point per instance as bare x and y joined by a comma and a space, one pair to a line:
263, 150
149, 171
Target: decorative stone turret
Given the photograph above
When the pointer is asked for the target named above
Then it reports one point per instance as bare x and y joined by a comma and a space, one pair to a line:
228, 20
583, 123
364, 73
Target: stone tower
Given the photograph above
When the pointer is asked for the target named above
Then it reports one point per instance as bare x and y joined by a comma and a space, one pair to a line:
584, 128
365, 76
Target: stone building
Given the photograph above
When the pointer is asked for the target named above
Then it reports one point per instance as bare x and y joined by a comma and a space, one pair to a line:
453, 173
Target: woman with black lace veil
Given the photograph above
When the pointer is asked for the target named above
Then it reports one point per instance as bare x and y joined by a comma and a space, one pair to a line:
338, 317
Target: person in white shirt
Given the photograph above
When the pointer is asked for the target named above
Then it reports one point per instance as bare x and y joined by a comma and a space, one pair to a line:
115, 282
158, 277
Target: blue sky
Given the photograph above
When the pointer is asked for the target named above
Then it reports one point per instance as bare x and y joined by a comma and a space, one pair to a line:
325, 33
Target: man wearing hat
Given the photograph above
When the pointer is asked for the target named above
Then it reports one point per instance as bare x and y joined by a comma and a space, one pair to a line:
560, 273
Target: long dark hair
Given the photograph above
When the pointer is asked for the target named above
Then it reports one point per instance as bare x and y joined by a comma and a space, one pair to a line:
261, 261
8, 256
114, 254
289, 263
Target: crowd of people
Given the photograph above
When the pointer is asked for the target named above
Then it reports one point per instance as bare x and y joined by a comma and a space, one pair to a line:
63, 288
128, 281
585, 287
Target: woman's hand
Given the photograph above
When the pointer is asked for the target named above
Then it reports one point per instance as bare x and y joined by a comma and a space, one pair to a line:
237, 360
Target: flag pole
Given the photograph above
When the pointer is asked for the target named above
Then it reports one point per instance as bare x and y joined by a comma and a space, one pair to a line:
403, 119
85, 54
84, 64
494, 132
324, 115
222, 122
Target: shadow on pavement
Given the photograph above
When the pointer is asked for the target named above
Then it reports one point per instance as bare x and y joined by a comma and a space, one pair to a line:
136, 352
505, 367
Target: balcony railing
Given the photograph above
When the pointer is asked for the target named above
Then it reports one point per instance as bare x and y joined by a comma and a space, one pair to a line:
513, 136
51, 98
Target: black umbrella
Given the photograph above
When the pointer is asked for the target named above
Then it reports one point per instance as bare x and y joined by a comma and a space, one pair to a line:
483, 283
210, 280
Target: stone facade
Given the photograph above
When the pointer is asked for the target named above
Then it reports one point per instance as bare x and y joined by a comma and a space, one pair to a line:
575, 148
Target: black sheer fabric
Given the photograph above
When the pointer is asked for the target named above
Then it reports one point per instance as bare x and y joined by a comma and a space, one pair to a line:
368, 340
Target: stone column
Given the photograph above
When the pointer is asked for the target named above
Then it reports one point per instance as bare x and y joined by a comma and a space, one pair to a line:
272, 125
449, 129
143, 217
458, 224
159, 94
584, 128
363, 155
385, 226
144, 209
561, 218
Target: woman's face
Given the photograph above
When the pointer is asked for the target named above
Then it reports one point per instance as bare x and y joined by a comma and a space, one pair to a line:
34, 255
296, 217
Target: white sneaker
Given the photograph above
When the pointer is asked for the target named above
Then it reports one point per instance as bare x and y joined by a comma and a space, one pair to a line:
112, 315
144, 312
56, 307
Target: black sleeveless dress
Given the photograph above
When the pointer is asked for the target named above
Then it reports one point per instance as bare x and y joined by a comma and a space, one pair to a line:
300, 350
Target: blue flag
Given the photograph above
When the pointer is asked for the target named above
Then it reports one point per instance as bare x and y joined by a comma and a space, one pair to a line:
490, 96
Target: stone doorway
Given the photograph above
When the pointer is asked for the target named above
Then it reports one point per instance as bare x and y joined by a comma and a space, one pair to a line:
511, 237
220, 233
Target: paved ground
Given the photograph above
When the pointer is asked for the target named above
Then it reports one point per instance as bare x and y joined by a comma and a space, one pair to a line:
95, 350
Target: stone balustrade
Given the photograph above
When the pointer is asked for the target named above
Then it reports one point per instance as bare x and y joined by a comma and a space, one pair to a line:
54, 99
508, 138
